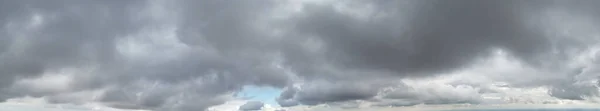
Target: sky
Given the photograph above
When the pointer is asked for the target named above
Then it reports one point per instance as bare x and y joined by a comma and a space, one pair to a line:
224, 55
263, 94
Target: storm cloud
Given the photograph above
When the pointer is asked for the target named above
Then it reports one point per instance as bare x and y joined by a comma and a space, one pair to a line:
139, 53
189, 55
417, 39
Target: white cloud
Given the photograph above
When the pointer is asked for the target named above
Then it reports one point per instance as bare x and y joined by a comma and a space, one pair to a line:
41, 104
50, 81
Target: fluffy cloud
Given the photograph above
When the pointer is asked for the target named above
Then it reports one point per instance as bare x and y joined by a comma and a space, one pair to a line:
167, 55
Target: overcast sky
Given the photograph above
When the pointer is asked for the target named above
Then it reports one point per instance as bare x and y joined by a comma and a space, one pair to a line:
193, 55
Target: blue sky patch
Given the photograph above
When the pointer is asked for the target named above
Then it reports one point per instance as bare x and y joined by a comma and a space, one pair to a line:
263, 94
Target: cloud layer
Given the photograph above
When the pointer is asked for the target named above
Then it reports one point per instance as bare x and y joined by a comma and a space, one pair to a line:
167, 55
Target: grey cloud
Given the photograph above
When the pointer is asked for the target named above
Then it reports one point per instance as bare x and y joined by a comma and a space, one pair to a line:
286, 98
346, 104
382, 44
63, 35
89, 33
167, 55
321, 92
397, 103
313, 95
428, 39
252, 106
224, 24
569, 89
406, 96
574, 92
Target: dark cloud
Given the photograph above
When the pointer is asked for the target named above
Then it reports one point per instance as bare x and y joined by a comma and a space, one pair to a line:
41, 36
286, 98
426, 39
167, 55
438, 36
252, 106
319, 93
322, 92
